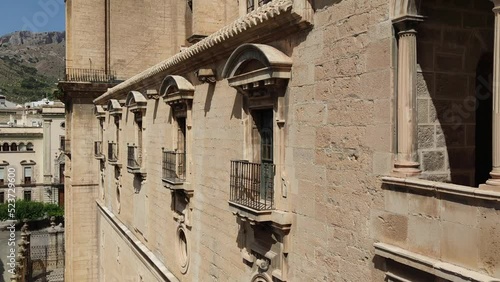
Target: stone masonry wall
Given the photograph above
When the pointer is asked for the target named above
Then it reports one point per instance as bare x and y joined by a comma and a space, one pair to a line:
86, 37
144, 34
454, 229
80, 193
450, 42
339, 139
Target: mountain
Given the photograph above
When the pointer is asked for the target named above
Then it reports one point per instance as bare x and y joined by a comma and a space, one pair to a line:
31, 64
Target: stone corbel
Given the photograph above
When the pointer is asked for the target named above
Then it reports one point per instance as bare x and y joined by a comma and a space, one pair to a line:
152, 94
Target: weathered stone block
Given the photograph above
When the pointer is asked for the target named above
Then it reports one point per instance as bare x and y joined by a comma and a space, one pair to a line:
425, 84
423, 205
350, 112
465, 213
489, 245
459, 244
378, 55
424, 235
426, 136
376, 85
389, 227
422, 111
382, 163
396, 202
433, 160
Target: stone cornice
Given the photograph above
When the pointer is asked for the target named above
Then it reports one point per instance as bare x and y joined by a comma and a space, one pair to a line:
438, 268
442, 188
266, 14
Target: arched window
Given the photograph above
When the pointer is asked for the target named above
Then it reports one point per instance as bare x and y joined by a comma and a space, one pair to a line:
137, 104
22, 147
178, 93
13, 147
261, 73
29, 147
5, 147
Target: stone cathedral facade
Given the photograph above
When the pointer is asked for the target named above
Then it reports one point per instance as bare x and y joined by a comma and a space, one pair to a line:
282, 140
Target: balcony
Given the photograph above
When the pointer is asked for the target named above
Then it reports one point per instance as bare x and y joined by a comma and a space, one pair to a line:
98, 150
67, 147
89, 75
133, 159
28, 181
113, 153
252, 185
174, 167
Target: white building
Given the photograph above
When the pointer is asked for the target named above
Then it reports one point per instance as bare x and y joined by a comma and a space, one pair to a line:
32, 145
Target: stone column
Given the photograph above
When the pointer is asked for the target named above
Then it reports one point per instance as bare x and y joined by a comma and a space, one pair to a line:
494, 182
47, 175
406, 163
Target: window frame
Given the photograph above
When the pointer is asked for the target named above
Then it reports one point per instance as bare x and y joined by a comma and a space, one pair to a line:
27, 192
2, 174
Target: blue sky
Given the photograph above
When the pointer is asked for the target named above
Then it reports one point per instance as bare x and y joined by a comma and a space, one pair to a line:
32, 15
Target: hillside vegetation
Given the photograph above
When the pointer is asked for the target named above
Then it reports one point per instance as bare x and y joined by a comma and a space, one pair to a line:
31, 64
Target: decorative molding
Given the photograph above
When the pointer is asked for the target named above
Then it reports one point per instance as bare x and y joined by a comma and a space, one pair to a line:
444, 188
435, 267
274, 67
152, 94
99, 111
25, 162
136, 102
178, 93
403, 9
114, 108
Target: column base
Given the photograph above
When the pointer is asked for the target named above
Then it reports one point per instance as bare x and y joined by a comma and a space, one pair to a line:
490, 187
492, 184
406, 169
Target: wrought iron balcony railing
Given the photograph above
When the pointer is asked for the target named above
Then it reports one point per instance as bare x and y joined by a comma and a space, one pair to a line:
174, 166
133, 157
89, 75
112, 152
98, 148
252, 185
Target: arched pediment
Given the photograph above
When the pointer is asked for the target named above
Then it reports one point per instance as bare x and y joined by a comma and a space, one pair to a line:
176, 89
251, 63
28, 162
135, 98
114, 107
175, 83
136, 101
99, 111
